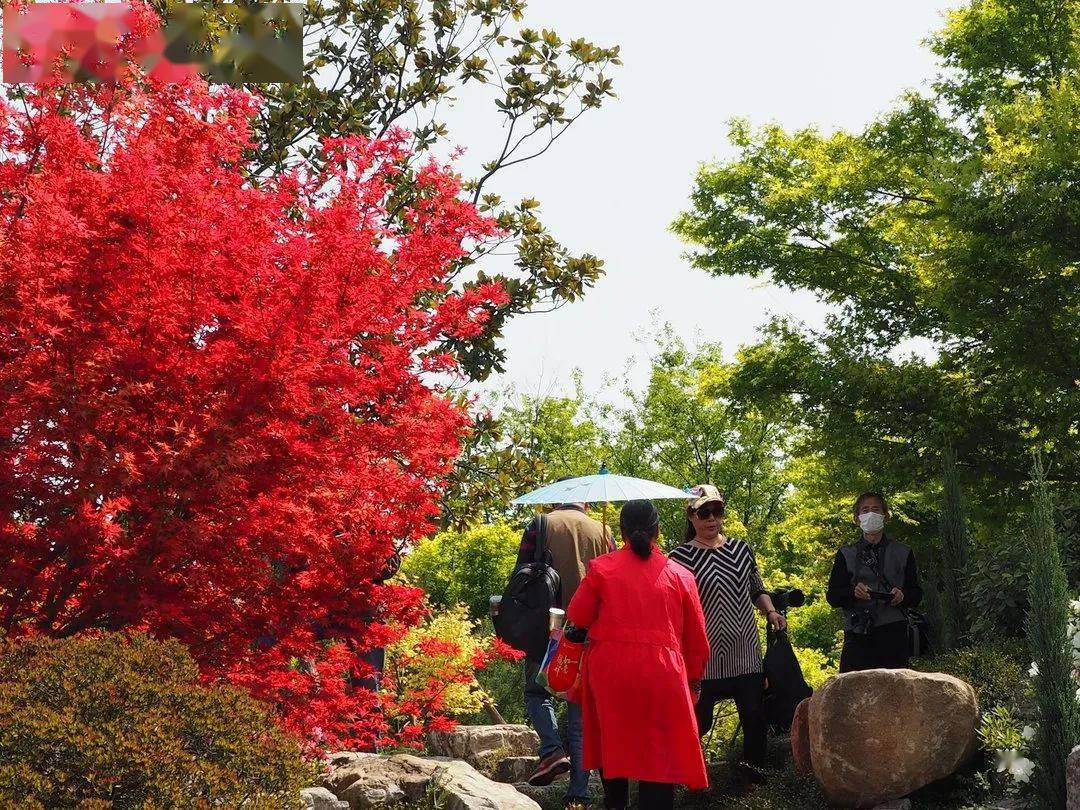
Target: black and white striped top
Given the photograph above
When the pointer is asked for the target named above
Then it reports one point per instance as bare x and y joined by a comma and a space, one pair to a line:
728, 581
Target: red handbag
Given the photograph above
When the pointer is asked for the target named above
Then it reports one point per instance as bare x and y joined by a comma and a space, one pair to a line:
565, 666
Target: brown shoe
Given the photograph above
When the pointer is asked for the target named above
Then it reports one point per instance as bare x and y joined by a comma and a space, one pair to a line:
554, 765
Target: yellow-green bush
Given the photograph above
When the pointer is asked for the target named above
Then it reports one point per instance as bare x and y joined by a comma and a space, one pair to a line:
117, 721
439, 658
819, 626
816, 666
464, 567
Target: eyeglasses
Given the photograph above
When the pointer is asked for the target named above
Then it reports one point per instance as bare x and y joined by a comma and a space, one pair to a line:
705, 512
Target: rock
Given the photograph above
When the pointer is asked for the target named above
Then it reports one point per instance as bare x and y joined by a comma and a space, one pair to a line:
483, 746
372, 780
515, 769
1072, 779
800, 738
553, 795
880, 734
319, 798
895, 804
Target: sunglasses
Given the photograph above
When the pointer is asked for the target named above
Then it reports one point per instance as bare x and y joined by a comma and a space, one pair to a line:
705, 512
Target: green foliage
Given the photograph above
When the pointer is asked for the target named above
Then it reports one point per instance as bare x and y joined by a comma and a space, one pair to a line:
945, 222
995, 588
817, 667
466, 567
688, 428
113, 721
504, 683
954, 552
817, 626
530, 442
995, 670
685, 428
439, 659
1051, 649
1000, 730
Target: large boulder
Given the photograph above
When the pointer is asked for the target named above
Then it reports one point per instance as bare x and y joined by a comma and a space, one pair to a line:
800, 738
484, 746
1072, 778
372, 781
880, 734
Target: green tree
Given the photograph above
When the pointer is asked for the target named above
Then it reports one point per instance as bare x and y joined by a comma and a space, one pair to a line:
949, 222
371, 66
465, 567
687, 428
522, 442
1051, 649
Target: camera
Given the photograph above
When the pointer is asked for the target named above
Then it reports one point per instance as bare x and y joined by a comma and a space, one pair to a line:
784, 598
862, 621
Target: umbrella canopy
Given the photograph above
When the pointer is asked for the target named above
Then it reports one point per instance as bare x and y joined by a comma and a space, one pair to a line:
601, 488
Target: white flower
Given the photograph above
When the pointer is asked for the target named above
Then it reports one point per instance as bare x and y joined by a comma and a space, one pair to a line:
1028, 733
1019, 767
1034, 670
1075, 605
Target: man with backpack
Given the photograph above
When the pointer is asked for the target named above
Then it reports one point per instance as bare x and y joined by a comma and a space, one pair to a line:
566, 539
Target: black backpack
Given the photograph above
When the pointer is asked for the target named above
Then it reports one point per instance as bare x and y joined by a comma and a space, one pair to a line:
785, 686
534, 588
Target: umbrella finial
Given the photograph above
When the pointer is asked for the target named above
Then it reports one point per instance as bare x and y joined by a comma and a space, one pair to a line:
603, 469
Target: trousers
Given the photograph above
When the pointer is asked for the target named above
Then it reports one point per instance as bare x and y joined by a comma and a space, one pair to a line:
747, 691
884, 647
651, 795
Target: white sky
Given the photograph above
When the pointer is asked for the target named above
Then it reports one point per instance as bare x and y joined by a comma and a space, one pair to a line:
616, 180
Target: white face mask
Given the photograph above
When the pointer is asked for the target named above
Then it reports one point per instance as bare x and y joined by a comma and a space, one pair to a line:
871, 522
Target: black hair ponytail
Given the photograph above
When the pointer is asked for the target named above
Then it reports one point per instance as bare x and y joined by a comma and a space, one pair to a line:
640, 525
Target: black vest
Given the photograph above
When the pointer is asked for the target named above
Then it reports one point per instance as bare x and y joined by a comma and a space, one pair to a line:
892, 562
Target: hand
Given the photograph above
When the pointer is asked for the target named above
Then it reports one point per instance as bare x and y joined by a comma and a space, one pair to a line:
897, 597
862, 592
776, 620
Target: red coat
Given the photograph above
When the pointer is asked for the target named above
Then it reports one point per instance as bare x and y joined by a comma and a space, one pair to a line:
646, 641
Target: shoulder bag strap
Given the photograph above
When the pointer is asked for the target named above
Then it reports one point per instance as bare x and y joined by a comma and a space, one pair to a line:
543, 554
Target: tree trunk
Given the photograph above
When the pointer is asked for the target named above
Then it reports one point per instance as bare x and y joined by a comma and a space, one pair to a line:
953, 549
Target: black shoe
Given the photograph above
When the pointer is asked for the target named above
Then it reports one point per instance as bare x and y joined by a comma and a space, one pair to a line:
748, 774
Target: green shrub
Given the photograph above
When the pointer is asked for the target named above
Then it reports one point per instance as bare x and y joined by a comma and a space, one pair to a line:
122, 722
995, 589
441, 658
996, 671
816, 666
504, 683
464, 567
817, 626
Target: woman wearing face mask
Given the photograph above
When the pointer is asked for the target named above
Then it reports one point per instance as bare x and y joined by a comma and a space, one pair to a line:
873, 580
730, 586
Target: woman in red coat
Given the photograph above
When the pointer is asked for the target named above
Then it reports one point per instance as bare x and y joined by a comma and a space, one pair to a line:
643, 663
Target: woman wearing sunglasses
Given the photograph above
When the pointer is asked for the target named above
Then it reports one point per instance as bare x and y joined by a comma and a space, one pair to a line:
730, 586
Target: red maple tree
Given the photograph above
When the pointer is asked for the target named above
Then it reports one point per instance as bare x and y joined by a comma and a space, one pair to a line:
217, 419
